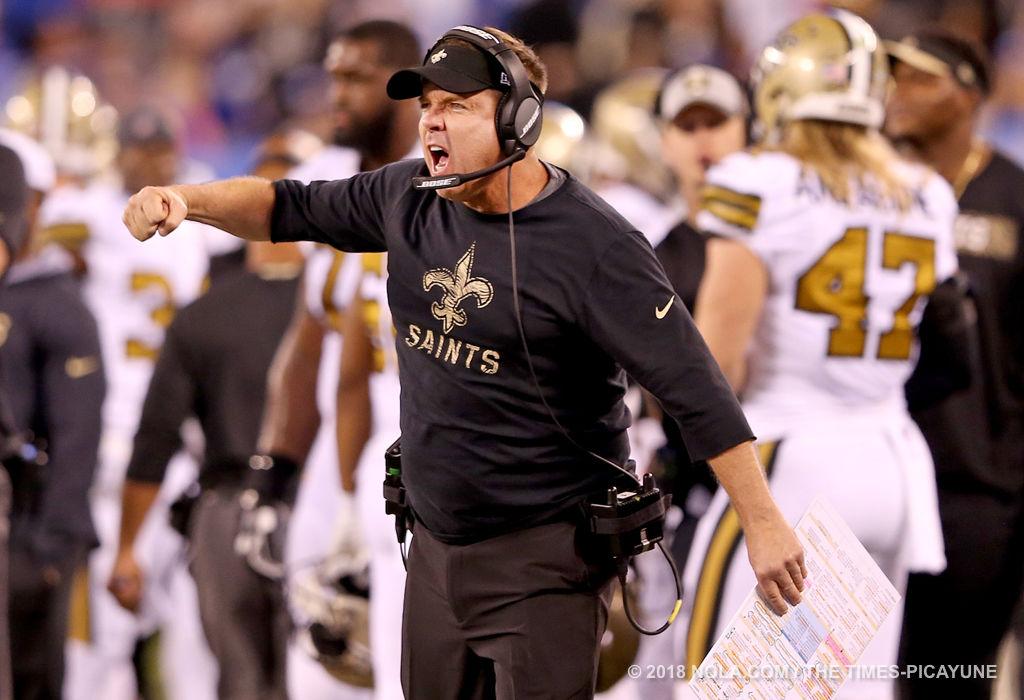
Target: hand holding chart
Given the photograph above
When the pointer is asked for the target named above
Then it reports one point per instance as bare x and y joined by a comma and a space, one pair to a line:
808, 652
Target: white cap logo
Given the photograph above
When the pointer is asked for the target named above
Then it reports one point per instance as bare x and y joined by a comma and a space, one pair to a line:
438, 56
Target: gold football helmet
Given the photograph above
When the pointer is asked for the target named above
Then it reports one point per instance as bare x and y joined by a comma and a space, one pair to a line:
64, 112
828, 66
563, 138
628, 144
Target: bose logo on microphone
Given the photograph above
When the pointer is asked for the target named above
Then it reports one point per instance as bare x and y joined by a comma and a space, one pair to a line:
530, 122
441, 182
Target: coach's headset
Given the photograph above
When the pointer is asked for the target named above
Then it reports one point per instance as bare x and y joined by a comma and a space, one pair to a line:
519, 116
631, 518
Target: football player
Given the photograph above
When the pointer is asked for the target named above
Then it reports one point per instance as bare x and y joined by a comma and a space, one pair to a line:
977, 435
133, 294
825, 247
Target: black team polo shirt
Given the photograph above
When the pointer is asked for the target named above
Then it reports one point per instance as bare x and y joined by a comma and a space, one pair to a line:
481, 456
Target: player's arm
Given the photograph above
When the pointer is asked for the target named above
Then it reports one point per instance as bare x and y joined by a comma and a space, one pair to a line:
290, 417
241, 206
73, 387
346, 214
629, 309
126, 578
729, 304
169, 401
354, 417
775, 553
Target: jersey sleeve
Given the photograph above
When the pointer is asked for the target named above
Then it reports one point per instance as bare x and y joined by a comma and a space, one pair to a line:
735, 204
74, 387
169, 401
63, 219
630, 309
347, 214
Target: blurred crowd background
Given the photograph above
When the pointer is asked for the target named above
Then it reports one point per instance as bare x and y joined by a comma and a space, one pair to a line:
237, 69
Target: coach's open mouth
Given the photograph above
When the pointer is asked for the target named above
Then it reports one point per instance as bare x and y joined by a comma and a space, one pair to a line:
438, 159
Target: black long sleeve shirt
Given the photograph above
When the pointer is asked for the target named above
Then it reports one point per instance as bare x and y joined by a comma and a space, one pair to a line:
213, 365
481, 454
54, 383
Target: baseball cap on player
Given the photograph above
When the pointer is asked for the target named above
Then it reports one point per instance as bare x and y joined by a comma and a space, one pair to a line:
458, 69
941, 53
143, 126
700, 84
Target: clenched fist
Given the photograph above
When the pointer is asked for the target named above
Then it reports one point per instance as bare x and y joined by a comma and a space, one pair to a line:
152, 210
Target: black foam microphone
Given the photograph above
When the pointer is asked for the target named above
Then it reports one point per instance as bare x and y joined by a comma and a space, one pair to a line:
443, 182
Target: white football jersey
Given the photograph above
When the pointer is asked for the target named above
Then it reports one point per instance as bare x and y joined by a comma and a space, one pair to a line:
373, 291
330, 276
329, 281
649, 216
384, 386
847, 282
133, 289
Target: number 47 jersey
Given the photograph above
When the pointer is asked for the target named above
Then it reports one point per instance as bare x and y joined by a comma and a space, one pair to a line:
847, 281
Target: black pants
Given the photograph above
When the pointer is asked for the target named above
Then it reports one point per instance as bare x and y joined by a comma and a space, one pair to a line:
984, 537
244, 616
40, 598
518, 616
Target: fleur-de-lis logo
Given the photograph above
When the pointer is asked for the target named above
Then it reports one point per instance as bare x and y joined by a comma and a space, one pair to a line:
457, 286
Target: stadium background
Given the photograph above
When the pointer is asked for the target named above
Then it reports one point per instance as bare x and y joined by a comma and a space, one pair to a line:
234, 70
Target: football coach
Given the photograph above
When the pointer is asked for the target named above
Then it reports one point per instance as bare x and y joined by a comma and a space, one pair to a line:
520, 299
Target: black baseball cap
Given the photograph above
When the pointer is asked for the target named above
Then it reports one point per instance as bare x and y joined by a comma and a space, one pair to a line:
144, 126
455, 68
941, 53
13, 196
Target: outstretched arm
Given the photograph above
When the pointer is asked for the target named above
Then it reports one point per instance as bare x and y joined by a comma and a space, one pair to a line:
290, 415
729, 305
241, 206
354, 421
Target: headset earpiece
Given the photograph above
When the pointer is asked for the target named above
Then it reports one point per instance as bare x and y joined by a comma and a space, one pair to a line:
519, 115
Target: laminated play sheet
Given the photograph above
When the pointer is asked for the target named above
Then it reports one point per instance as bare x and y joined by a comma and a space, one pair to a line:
811, 650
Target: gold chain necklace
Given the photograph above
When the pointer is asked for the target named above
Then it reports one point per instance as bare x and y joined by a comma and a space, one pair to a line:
972, 163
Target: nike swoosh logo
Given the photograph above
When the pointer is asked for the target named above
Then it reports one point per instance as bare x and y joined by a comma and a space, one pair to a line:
78, 367
661, 313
